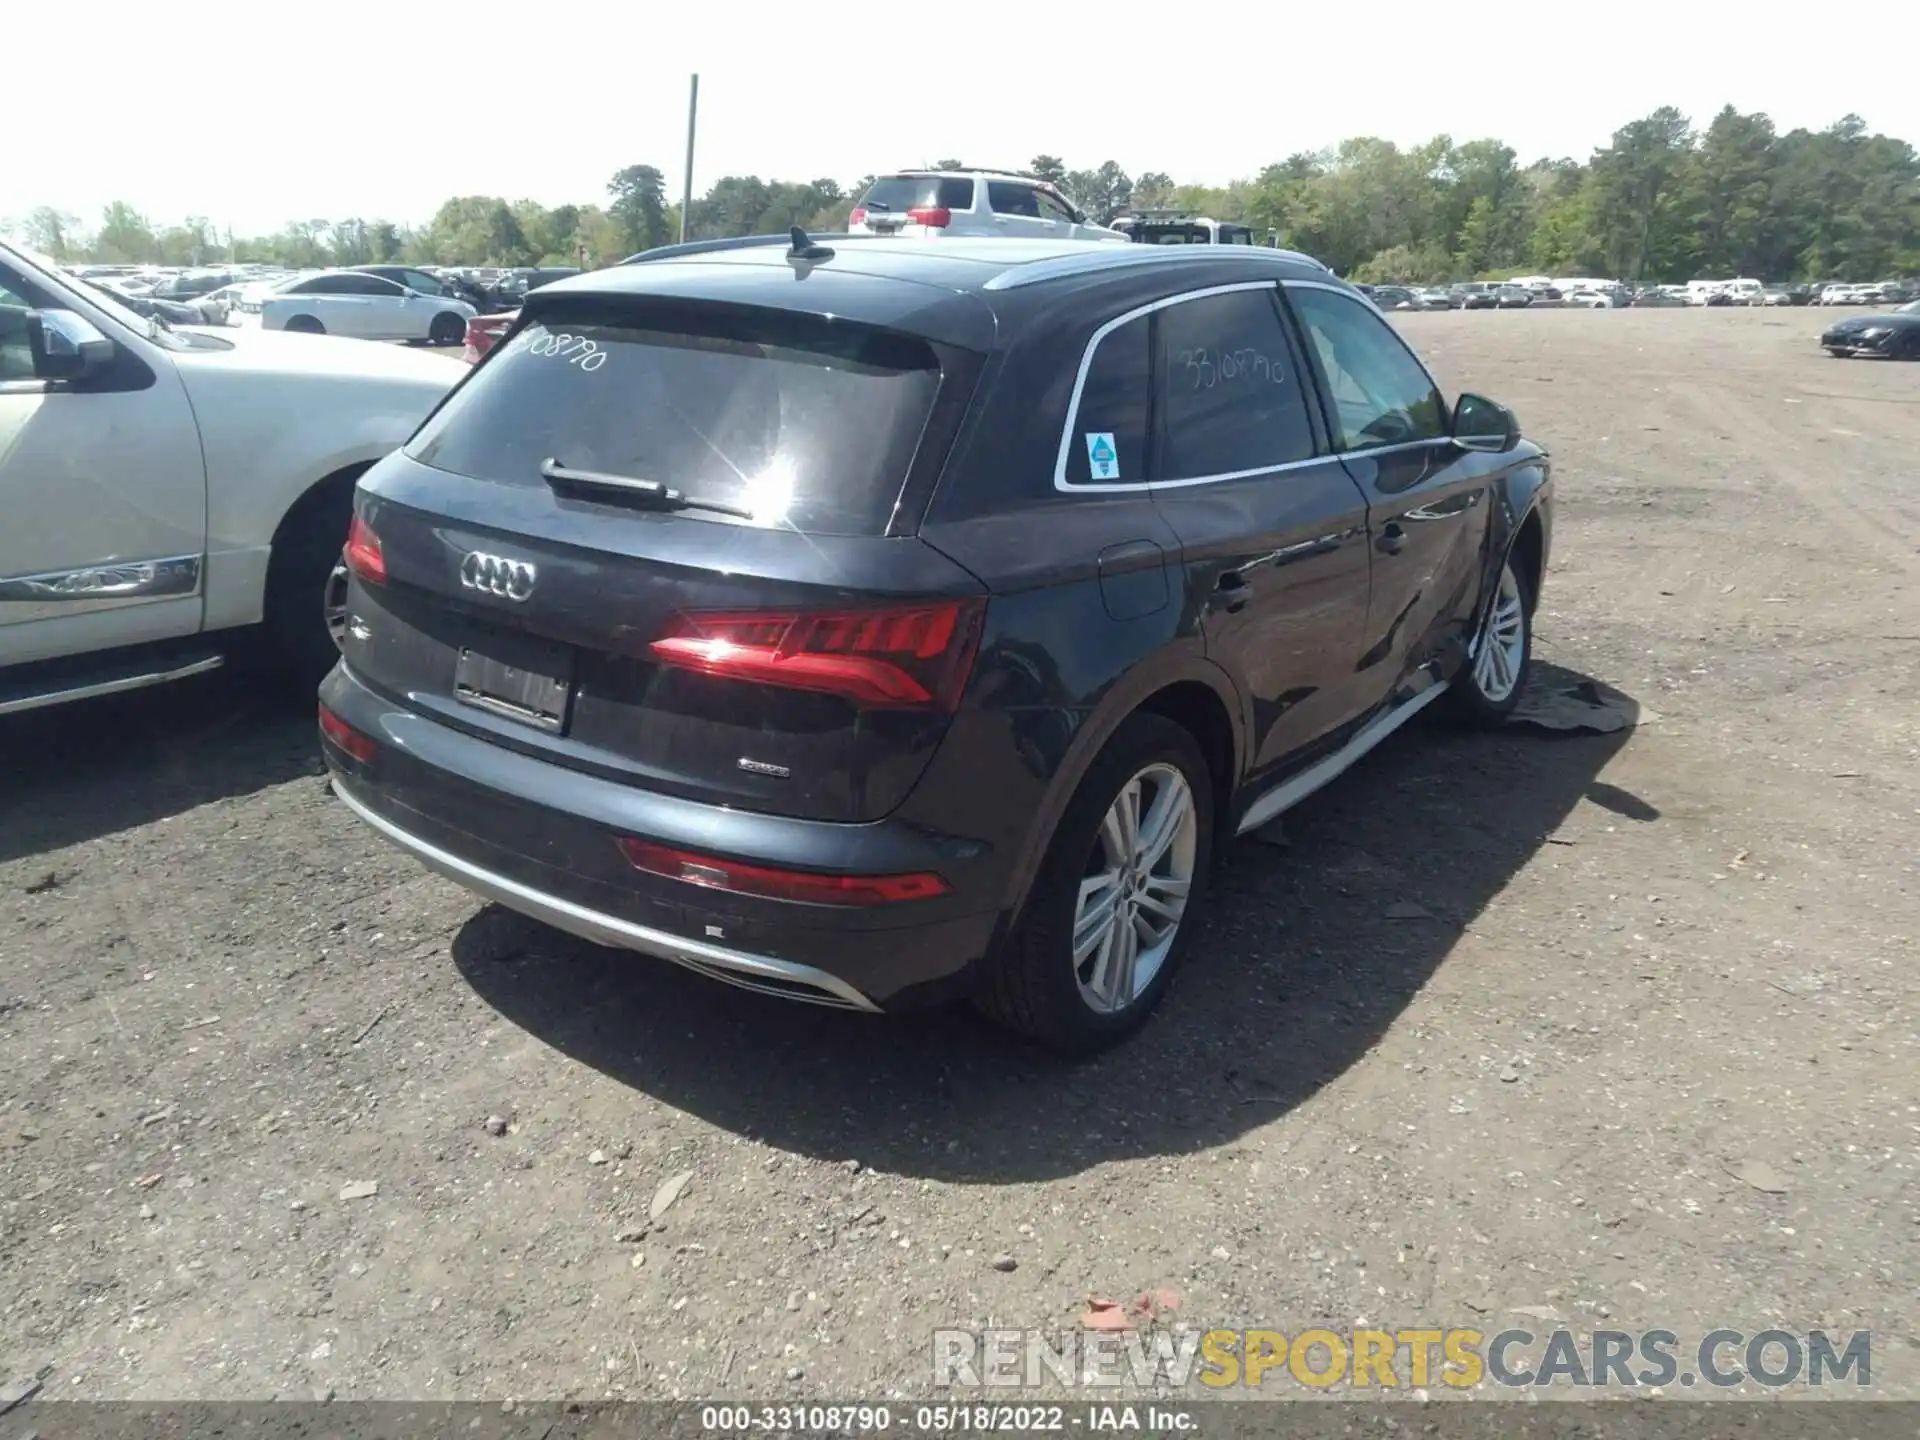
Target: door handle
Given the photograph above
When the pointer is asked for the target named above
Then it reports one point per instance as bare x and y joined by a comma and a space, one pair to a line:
1391, 541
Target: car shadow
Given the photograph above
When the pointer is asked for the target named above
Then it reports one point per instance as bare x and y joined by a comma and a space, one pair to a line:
1311, 947
77, 772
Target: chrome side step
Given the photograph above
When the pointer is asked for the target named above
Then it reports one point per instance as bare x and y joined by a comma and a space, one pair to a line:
110, 682
1290, 792
762, 973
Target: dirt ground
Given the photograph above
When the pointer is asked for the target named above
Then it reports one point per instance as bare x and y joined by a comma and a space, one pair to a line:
1619, 1029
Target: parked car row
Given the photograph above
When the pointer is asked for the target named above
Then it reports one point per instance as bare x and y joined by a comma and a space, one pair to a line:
1615, 295
426, 303
1885, 292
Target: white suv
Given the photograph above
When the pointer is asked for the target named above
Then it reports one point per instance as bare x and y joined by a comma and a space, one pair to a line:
931, 203
174, 498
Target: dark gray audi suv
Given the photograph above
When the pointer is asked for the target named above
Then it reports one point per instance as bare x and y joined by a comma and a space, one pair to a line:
872, 623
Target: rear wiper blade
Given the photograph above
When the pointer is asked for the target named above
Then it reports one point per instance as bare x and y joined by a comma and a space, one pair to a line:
627, 487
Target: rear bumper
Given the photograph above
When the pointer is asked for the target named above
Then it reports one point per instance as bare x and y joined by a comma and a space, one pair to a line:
540, 839
738, 967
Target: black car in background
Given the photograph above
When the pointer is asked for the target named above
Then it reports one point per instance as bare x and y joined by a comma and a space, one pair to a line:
880, 622
1889, 337
512, 288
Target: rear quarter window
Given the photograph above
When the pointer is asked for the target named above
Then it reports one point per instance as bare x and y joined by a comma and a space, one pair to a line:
1107, 444
811, 424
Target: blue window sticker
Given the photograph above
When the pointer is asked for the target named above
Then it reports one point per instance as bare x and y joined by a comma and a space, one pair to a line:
1103, 457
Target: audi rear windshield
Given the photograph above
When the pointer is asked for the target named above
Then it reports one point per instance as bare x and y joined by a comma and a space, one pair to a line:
810, 424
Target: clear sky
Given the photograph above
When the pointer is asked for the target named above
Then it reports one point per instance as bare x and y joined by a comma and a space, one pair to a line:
257, 115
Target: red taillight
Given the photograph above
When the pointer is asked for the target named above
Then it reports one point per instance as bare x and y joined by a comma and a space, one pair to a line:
933, 216
858, 217
363, 554
360, 747
910, 657
769, 884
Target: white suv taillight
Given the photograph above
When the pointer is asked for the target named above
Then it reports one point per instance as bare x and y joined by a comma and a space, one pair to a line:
934, 217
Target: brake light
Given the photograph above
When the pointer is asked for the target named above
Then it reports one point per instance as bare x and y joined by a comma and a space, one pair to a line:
363, 553
858, 217
909, 657
935, 217
770, 884
344, 736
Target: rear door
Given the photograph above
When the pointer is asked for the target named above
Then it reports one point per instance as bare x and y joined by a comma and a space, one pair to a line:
785, 652
1272, 527
1428, 500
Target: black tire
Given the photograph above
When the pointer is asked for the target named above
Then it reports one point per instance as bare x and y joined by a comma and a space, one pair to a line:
447, 329
1489, 686
1030, 984
306, 599
306, 325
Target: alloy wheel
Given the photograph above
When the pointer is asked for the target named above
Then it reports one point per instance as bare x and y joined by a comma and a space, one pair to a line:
1135, 889
1503, 643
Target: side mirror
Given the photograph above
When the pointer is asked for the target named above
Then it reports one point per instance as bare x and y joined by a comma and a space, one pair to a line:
66, 346
1483, 424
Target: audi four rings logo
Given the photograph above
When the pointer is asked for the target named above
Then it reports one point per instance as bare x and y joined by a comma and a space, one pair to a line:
497, 575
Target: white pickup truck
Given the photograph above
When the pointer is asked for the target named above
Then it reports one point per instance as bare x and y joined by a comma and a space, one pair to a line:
174, 499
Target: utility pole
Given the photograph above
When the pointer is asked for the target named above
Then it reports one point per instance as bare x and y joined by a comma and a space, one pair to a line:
686, 188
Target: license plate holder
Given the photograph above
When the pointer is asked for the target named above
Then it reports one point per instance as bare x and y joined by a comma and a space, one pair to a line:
517, 678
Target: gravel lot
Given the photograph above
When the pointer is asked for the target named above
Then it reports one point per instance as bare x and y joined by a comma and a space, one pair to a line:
1619, 1028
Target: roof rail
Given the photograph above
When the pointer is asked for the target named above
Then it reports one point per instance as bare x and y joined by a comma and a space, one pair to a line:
1115, 257
975, 170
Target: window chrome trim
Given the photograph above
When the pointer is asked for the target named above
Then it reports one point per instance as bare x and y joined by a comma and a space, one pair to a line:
1362, 300
1068, 487
1146, 487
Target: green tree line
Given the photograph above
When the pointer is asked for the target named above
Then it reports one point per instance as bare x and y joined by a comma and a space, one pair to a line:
1664, 200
